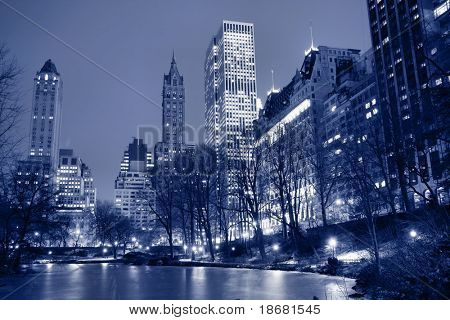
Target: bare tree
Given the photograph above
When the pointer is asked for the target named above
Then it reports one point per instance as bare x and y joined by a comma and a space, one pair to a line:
326, 167
10, 108
166, 186
359, 173
249, 191
31, 198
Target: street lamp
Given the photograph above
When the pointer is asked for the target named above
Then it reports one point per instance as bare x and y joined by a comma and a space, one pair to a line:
413, 234
332, 243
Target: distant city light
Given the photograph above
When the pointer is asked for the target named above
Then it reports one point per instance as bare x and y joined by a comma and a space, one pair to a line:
105, 250
116, 243
50, 252
185, 247
276, 247
233, 249
36, 234
413, 233
217, 247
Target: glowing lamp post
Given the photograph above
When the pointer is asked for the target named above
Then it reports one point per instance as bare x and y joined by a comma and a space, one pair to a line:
332, 243
275, 249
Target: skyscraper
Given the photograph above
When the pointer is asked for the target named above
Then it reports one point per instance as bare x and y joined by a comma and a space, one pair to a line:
173, 106
173, 125
230, 89
407, 41
133, 191
46, 115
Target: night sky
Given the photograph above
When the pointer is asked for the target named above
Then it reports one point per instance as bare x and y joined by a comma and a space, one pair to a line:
133, 41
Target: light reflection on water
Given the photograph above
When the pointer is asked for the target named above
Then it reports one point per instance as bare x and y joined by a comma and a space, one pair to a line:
117, 281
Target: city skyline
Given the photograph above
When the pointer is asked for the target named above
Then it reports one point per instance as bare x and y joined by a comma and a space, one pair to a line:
111, 100
235, 150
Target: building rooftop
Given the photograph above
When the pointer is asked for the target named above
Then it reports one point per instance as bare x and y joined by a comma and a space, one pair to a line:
49, 67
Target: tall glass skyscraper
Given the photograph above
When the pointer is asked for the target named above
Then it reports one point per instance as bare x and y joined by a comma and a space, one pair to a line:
230, 89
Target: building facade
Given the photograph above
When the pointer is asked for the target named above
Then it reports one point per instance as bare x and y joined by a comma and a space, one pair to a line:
133, 192
75, 184
411, 52
306, 122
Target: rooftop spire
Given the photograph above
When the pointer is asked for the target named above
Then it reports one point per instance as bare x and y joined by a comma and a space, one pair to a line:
272, 90
173, 56
312, 48
273, 83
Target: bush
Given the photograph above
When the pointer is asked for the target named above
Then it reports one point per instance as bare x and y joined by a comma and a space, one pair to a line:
415, 270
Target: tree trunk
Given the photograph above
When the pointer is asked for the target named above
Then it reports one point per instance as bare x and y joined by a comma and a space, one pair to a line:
171, 245
376, 249
284, 226
324, 213
260, 241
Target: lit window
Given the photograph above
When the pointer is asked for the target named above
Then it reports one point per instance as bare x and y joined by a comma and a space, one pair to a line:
443, 8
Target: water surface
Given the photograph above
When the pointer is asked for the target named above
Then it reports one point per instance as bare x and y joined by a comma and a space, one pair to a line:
118, 281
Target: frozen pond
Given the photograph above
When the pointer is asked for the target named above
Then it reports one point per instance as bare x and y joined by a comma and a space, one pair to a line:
117, 281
